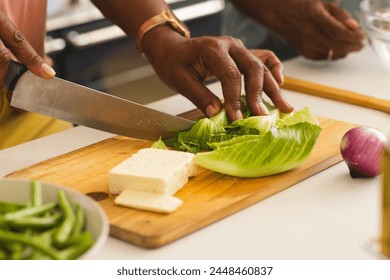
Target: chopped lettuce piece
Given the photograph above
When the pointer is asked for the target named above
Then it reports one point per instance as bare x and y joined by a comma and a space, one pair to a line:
159, 144
201, 133
252, 125
304, 115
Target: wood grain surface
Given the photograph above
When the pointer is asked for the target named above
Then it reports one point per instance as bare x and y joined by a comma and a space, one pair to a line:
208, 197
337, 94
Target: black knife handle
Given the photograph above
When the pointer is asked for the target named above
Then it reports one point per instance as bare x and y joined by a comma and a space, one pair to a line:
15, 71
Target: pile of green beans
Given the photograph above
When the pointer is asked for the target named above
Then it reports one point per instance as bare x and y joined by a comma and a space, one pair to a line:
35, 230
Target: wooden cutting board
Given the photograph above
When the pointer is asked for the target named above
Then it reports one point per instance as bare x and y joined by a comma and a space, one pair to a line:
208, 197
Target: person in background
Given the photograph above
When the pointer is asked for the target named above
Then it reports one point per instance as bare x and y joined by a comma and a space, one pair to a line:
183, 63
315, 29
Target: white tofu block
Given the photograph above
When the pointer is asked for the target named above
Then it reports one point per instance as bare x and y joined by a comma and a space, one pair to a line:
153, 170
148, 201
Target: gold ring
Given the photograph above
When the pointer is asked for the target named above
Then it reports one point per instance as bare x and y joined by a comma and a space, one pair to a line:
330, 54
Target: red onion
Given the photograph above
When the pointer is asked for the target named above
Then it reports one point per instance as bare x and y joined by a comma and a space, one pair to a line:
362, 149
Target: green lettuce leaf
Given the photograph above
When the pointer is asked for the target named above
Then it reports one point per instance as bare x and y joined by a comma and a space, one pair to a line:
159, 144
304, 115
279, 150
252, 125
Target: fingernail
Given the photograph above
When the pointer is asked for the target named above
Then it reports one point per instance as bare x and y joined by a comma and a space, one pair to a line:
211, 111
239, 115
281, 82
287, 102
263, 109
279, 77
352, 23
49, 72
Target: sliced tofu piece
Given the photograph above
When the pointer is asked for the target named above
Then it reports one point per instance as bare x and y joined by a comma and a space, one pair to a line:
148, 201
153, 170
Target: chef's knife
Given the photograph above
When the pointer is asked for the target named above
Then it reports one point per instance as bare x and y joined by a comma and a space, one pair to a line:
80, 105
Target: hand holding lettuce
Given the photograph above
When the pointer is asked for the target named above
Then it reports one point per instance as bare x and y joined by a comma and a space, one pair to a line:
255, 146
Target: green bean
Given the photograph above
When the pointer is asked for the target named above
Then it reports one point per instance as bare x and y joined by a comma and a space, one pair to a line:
83, 243
62, 236
3, 254
47, 235
7, 236
6, 207
78, 225
36, 222
25, 212
38, 255
79, 222
17, 250
36, 193
27, 252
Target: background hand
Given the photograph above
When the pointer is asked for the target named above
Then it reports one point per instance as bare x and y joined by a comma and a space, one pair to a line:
317, 29
326, 27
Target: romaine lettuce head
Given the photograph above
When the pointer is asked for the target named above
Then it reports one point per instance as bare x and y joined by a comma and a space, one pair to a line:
254, 146
279, 150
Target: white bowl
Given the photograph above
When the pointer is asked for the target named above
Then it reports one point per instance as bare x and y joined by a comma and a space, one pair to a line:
18, 191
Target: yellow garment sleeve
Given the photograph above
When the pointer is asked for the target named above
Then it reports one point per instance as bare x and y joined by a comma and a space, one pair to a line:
17, 127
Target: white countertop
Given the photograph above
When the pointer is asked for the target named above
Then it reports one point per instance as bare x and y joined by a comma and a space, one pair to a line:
328, 216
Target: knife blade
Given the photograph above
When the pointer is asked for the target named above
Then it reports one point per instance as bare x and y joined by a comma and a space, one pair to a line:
80, 105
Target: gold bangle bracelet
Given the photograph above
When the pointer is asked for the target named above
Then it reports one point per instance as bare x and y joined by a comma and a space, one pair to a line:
165, 17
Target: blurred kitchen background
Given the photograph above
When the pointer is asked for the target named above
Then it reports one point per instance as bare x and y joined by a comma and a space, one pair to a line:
87, 49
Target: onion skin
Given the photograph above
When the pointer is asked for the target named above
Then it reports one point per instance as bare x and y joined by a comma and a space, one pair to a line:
362, 149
